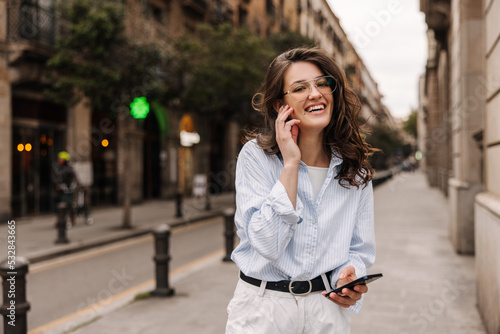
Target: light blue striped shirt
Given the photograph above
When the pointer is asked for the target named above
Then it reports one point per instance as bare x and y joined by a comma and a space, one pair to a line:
278, 242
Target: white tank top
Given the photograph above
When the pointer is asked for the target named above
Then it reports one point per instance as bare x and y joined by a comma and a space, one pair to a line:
317, 176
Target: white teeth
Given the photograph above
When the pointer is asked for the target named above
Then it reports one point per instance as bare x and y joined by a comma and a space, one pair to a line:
314, 108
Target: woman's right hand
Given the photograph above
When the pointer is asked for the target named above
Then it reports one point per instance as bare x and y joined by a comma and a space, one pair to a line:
287, 133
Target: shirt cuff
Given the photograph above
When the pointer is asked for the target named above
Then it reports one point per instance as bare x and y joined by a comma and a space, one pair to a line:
281, 204
357, 307
335, 277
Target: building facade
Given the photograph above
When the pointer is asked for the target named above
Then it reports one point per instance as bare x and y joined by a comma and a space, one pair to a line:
460, 137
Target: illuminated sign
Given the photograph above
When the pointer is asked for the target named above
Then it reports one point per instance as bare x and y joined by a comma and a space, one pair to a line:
188, 139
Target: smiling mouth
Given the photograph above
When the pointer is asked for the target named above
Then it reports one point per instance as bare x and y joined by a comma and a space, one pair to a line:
316, 108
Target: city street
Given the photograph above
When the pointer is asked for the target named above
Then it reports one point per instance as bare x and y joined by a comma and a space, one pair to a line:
89, 277
104, 267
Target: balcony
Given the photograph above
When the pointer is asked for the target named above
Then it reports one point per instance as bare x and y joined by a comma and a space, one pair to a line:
30, 23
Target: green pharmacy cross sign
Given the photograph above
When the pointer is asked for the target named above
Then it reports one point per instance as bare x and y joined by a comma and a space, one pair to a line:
139, 108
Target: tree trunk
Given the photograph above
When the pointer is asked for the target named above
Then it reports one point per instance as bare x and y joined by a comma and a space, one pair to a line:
124, 147
126, 223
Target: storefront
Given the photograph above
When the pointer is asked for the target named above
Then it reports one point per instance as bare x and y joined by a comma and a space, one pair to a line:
38, 135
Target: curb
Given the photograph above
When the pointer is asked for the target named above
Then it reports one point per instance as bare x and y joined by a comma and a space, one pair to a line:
382, 177
128, 234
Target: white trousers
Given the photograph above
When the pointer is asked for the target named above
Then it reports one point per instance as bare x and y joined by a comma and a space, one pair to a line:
255, 310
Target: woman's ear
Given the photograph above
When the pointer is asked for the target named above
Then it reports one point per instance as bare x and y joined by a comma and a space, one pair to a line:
277, 105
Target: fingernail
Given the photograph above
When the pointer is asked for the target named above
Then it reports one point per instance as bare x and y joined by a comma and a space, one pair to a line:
342, 276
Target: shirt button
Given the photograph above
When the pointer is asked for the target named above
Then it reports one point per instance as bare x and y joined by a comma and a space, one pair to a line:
310, 252
314, 221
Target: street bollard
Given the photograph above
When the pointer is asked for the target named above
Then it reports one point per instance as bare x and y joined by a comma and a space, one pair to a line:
61, 224
178, 204
208, 206
15, 306
229, 232
162, 258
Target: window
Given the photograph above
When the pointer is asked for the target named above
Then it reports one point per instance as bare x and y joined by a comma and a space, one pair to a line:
157, 14
270, 7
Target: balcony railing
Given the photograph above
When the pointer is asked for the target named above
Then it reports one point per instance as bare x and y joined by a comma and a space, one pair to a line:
30, 22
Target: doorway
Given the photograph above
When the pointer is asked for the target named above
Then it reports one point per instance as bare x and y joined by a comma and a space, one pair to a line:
33, 153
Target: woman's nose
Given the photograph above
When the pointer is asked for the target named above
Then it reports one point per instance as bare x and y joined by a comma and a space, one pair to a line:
314, 92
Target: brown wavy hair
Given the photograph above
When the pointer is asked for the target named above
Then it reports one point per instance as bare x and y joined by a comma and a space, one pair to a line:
342, 133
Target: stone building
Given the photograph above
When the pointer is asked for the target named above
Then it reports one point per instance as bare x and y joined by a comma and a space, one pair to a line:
149, 154
459, 113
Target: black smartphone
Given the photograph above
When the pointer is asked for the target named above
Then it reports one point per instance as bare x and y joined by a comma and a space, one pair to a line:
360, 281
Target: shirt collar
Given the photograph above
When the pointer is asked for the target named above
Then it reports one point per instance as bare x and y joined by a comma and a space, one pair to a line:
336, 158
335, 161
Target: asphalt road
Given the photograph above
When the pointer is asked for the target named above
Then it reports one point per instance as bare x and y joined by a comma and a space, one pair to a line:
65, 285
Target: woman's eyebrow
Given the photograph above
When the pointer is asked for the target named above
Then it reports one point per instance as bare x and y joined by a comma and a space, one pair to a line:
293, 83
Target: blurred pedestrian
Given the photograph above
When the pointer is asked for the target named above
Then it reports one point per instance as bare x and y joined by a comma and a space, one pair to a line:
65, 181
304, 203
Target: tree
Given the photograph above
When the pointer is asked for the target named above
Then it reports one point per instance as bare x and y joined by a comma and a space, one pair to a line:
95, 59
389, 143
410, 124
220, 69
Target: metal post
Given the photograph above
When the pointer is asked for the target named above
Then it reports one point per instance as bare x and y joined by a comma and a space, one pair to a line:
208, 206
15, 306
178, 204
162, 258
61, 224
229, 232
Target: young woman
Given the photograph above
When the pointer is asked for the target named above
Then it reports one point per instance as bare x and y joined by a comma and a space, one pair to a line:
304, 203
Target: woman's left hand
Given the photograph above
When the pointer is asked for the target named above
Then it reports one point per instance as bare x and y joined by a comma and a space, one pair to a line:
347, 297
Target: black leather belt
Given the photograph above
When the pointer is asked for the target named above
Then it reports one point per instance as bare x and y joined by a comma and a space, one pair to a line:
293, 287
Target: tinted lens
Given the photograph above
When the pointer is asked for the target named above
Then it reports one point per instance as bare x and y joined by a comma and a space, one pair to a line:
324, 85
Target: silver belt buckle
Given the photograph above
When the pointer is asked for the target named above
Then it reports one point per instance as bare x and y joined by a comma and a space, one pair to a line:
299, 294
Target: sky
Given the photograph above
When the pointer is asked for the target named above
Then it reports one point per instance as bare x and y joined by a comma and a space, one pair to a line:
390, 37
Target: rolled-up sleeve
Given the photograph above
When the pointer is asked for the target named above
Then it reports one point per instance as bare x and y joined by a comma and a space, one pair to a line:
278, 198
264, 212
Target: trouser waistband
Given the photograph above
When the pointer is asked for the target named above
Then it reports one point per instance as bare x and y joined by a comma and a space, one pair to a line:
293, 287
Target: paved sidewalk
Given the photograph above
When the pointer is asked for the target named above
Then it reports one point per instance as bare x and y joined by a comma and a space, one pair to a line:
426, 288
199, 305
35, 236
